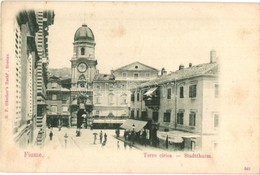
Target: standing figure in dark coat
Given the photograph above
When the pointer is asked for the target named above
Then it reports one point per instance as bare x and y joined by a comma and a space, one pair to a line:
105, 137
51, 134
100, 137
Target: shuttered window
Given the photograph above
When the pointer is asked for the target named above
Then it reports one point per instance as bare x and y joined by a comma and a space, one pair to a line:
192, 91
180, 118
192, 119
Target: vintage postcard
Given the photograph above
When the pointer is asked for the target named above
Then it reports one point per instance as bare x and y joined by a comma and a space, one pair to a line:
130, 87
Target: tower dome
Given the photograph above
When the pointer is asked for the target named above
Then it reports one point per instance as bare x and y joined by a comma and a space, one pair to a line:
84, 34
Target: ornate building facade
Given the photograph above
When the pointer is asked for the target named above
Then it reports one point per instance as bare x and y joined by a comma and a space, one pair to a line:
30, 51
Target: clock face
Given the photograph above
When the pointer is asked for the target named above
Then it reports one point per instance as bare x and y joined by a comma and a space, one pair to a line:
82, 67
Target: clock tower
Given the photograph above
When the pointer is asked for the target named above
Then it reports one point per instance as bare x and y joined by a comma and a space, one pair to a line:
83, 70
83, 62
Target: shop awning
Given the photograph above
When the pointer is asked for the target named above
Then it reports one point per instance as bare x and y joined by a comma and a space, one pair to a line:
108, 121
138, 125
175, 136
150, 91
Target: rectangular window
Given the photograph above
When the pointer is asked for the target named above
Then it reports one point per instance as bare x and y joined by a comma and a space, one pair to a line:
155, 116
137, 113
169, 93
136, 75
64, 97
147, 75
138, 96
216, 90
216, 120
132, 113
192, 119
133, 97
167, 117
180, 118
54, 97
64, 108
54, 109
144, 115
192, 91
181, 92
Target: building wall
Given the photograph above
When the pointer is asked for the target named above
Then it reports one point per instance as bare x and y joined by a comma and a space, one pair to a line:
24, 101
203, 105
143, 75
211, 106
18, 72
167, 105
137, 105
188, 104
111, 97
58, 101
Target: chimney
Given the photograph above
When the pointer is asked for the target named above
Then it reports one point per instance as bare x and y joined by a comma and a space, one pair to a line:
181, 67
213, 57
190, 64
163, 72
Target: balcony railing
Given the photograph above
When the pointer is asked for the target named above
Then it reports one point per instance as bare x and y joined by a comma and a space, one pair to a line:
152, 102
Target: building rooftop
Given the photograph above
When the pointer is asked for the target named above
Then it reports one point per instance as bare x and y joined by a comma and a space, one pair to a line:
84, 34
104, 77
197, 70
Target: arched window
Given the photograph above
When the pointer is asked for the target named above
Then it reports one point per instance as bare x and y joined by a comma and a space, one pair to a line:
82, 50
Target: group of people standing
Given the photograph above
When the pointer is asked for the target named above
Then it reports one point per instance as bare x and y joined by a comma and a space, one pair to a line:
133, 136
101, 136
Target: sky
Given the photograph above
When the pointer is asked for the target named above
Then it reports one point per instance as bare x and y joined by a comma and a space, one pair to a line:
159, 35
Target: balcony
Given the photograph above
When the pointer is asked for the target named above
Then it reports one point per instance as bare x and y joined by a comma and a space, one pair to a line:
152, 102
152, 98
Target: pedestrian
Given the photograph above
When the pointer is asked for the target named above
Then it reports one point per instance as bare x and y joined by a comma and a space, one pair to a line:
77, 132
65, 139
95, 137
133, 137
125, 135
105, 137
51, 134
167, 142
144, 134
118, 146
125, 145
117, 132
100, 137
